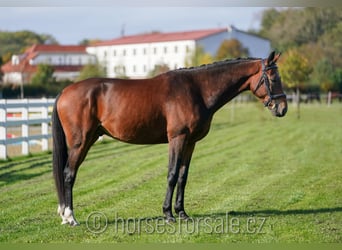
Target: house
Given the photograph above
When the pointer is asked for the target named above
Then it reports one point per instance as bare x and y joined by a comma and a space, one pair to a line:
136, 55
67, 61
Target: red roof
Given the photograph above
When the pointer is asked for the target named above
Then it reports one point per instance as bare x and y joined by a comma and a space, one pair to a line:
162, 37
34, 50
53, 48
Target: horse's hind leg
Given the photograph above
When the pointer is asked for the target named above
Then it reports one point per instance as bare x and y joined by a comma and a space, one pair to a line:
78, 149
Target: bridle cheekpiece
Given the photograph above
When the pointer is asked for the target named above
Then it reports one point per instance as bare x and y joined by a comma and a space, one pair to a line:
264, 79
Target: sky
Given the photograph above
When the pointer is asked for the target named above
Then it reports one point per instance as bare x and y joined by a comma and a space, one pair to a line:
72, 24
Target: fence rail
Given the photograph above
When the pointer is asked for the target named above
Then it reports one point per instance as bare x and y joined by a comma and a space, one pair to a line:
23, 113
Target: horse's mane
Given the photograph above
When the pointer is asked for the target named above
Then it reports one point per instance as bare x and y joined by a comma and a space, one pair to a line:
218, 64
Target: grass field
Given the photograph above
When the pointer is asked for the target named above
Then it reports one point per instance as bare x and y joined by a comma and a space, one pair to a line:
254, 178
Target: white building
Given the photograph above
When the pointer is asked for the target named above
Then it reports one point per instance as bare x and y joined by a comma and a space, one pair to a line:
135, 56
67, 61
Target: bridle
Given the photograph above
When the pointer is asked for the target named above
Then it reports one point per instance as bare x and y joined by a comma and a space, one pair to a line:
264, 79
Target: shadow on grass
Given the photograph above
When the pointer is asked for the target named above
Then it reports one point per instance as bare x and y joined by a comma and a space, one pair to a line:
15, 175
272, 212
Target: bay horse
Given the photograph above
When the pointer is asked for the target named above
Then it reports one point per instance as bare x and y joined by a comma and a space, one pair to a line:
175, 107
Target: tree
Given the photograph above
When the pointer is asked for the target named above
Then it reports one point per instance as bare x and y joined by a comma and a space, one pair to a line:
198, 57
231, 49
269, 18
87, 42
295, 71
16, 42
158, 69
289, 28
91, 70
323, 74
331, 44
337, 78
44, 75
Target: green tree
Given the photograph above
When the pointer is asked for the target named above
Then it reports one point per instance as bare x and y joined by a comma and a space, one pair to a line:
87, 42
323, 74
91, 70
331, 44
198, 57
16, 42
295, 71
44, 75
337, 78
231, 49
268, 19
289, 28
158, 69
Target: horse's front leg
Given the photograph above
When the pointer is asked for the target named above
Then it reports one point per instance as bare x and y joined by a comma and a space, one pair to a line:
176, 154
182, 178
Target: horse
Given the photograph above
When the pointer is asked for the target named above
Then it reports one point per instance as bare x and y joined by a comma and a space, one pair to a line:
175, 107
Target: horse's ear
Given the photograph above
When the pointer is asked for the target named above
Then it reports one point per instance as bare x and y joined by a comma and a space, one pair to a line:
272, 58
276, 57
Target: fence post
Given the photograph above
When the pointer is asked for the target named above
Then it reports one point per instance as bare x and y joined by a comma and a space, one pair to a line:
45, 125
329, 99
25, 128
3, 130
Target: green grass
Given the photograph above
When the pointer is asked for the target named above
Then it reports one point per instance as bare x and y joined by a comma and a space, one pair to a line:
254, 178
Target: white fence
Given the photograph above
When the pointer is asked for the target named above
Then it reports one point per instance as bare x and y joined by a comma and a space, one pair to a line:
22, 114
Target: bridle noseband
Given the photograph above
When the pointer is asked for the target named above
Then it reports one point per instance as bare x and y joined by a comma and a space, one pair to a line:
264, 78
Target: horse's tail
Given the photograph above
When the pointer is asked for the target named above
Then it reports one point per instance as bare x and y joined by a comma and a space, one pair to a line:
59, 155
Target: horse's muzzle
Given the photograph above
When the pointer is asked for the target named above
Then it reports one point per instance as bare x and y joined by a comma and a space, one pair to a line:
278, 109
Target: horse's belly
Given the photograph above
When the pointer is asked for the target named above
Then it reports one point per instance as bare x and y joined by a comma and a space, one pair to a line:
143, 136
138, 133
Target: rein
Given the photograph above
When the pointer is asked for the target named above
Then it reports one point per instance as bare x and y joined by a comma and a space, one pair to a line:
264, 79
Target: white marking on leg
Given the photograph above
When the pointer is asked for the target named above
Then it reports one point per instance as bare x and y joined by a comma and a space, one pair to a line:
60, 209
68, 217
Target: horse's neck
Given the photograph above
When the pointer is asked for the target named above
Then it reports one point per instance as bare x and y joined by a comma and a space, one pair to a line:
220, 85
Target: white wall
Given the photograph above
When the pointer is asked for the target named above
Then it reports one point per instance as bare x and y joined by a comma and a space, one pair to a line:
63, 59
12, 77
138, 60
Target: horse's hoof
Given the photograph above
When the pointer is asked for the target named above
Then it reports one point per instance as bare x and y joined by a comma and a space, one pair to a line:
183, 216
74, 223
170, 219
68, 217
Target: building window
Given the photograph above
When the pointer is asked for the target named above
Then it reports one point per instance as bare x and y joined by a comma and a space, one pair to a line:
187, 49
176, 49
80, 61
155, 50
144, 51
134, 52
165, 50
134, 68
114, 53
124, 52
120, 70
144, 69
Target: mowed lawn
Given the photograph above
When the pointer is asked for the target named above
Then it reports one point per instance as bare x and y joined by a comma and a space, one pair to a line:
254, 178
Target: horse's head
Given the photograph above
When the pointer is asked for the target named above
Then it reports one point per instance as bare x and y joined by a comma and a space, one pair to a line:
268, 87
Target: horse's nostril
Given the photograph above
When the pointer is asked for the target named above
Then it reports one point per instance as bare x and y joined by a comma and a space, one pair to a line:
281, 111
